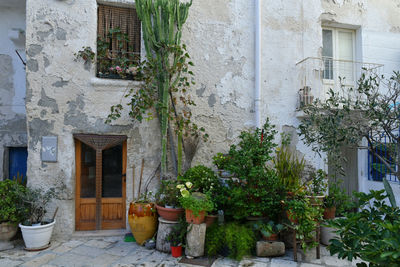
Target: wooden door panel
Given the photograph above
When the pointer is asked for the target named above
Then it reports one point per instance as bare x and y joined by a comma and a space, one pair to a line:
109, 210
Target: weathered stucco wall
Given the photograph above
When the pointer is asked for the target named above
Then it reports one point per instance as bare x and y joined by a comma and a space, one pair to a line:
12, 81
64, 97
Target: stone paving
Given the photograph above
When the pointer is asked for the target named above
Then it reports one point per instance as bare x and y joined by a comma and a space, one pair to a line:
114, 252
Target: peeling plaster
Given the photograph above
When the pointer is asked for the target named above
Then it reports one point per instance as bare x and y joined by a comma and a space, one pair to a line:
46, 101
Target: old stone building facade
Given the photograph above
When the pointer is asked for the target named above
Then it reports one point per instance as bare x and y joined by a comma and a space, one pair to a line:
65, 98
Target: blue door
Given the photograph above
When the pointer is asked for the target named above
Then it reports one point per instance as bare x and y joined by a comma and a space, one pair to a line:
17, 162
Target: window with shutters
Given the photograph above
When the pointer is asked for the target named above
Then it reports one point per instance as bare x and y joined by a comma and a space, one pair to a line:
118, 43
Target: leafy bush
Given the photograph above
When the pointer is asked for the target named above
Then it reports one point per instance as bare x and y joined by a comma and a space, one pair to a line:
177, 237
12, 209
235, 239
373, 234
203, 179
257, 191
168, 194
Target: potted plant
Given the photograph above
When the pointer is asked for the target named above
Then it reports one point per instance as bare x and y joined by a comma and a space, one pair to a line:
142, 218
12, 210
316, 187
168, 206
177, 237
336, 200
270, 230
289, 166
304, 218
221, 161
196, 204
36, 230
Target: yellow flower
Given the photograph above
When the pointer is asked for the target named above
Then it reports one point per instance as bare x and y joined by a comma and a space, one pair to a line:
180, 186
185, 193
189, 185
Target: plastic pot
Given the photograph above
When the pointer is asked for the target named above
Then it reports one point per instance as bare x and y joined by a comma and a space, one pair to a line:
176, 251
37, 237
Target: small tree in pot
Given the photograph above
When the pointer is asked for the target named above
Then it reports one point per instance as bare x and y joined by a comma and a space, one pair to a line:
36, 231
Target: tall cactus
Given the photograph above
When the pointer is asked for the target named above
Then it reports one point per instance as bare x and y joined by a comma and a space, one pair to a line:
162, 22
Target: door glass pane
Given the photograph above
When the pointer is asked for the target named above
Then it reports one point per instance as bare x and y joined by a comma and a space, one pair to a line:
112, 172
88, 172
345, 55
327, 53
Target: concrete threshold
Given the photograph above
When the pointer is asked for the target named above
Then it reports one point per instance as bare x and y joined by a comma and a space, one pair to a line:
100, 233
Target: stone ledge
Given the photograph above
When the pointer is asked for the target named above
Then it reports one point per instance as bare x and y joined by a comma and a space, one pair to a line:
112, 84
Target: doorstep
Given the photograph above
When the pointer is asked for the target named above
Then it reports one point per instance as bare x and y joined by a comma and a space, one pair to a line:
100, 233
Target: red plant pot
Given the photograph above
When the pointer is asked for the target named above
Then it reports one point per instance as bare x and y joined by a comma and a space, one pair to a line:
191, 218
272, 237
329, 213
210, 220
176, 251
169, 214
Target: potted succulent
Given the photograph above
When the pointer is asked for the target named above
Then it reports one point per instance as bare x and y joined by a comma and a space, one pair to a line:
196, 204
36, 230
177, 237
269, 231
142, 218
12, 210
168, 206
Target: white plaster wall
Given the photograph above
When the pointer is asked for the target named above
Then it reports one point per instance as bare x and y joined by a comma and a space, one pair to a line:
12, 80
63, 96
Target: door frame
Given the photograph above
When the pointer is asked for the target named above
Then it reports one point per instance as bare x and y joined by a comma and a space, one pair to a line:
98, 200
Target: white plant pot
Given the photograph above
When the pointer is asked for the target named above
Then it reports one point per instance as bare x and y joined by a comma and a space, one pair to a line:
37, 237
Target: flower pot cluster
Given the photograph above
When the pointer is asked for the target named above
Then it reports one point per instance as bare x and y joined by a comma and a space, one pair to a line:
26, 207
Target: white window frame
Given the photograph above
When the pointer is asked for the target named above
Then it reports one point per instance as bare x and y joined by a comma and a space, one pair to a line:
335, 48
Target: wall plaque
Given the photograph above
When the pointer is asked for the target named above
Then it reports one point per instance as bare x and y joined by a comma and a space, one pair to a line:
49, 148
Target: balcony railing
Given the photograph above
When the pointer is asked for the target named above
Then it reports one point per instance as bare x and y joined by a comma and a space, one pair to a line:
317, 76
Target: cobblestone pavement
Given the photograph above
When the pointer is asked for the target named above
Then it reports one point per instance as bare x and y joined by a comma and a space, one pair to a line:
113, 252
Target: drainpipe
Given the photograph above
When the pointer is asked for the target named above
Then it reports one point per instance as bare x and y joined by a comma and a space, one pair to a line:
257, 89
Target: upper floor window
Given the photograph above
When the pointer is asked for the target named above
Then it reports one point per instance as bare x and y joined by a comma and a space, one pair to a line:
338, 54
118, 42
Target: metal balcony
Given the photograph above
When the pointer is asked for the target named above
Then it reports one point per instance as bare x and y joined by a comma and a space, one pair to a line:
316, 76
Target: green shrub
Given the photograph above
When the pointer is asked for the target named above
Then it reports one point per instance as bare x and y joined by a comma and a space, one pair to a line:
372, 234
203, 179
239, 240
12, 208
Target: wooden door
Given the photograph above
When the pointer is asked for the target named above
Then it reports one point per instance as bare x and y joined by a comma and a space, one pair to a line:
100, 182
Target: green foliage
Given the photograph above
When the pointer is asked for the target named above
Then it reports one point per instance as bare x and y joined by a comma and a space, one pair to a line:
86, 54
257, 191
239, 240
197, 202
12, 209
168, 194
203, 179
367, 112
269, 228
254, 150
389, 192
37, 200
220, 160
318, 183
306, 214
337, 197
372, 234
289, 166
177, 237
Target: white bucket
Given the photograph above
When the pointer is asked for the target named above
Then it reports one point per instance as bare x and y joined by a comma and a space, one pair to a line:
37, 237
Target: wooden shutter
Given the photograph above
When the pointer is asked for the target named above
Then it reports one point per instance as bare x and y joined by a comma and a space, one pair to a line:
126, 19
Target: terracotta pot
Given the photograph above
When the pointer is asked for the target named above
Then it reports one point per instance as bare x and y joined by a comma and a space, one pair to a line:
210, 219
142, 220
169, 214
329, 213
191, 218
272, 237
176, 251
7, 231
292, 217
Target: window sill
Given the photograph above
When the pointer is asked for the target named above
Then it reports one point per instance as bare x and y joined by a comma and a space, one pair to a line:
112, 84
